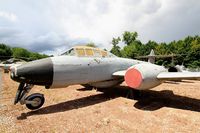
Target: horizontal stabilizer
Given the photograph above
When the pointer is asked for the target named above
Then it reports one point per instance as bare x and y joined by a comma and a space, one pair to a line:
179, 75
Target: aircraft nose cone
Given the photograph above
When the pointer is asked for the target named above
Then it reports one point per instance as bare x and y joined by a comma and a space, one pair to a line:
39, 72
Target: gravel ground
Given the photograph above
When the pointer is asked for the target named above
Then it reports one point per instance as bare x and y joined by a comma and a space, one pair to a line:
170, 107
1, 82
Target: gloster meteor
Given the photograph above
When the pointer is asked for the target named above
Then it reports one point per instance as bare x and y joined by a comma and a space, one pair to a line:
89, 67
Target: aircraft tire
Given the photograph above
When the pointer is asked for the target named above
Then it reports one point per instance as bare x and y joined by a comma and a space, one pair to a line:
35, 97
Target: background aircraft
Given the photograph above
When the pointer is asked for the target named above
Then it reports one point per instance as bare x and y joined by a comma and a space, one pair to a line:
173, 68
88, 66
7, 64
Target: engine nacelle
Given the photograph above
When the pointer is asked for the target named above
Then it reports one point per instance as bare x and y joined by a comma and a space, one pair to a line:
143, 76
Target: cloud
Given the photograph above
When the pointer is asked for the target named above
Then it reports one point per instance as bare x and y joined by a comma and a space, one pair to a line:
8, 32
9, 16
52, 26
53, 42
173, 21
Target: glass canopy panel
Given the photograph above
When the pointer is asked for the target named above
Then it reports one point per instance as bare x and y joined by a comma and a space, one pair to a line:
97, 53
70, 52
89, 52
80, 51
104, 53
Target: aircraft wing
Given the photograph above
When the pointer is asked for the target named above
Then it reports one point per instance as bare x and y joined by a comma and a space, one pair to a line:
168, 75
179, 75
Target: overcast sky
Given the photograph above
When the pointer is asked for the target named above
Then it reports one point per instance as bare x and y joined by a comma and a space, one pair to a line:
52, 26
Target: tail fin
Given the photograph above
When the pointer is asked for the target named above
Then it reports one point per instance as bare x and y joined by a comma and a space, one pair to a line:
151, 57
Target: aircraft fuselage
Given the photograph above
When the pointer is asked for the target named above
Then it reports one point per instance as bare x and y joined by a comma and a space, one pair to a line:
65, 70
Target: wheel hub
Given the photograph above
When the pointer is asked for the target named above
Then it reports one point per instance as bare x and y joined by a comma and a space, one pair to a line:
36, 101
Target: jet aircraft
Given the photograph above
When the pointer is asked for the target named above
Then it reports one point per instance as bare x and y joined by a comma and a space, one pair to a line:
88, 66
173, 68
6, 65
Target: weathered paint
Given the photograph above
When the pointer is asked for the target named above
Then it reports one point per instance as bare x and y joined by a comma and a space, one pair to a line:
148, 72
70, 70
65, 70
107, 83
179, 75
39, 72
133, 78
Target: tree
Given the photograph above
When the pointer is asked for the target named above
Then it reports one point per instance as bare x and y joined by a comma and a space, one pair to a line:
35, 56
162, 49
129, 37
129, 51
5, 50
116, 49
149, 46
20, 52
91, 44
193, 56
187, 49
133, 46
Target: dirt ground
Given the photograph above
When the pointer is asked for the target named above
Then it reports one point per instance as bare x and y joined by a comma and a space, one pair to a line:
170, 107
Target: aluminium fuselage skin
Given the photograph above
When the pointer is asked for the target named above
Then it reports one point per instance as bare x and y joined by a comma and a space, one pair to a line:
66, 70
70, 70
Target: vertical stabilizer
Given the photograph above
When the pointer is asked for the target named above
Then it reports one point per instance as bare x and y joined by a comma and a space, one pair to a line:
151, 57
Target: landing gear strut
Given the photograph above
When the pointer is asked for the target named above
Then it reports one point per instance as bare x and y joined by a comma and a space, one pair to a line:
134, 94
33, 101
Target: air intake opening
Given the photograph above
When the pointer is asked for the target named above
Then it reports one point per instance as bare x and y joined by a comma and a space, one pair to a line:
172, 69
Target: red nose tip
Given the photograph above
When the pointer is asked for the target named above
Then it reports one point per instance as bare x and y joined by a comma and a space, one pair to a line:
133, 78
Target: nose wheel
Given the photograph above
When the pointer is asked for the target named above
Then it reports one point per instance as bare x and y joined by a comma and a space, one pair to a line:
33, 101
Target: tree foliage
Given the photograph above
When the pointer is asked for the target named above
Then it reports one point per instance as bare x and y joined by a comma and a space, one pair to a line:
23, 53
5, 50
91, 44
17, 52
20, 52
116, 49
129, 37
187, 49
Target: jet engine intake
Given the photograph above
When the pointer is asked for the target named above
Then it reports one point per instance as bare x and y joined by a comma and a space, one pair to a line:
143, 76
173, 69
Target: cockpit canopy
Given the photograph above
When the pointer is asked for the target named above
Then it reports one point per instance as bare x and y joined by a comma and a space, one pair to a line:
85, 51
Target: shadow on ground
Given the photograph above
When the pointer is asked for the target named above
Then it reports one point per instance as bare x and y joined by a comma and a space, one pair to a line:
148, 100
153, 100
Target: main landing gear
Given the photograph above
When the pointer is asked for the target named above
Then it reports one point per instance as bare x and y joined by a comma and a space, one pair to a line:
134, 94
33, 101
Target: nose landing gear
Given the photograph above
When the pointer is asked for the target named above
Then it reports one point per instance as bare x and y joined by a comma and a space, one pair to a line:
33, 101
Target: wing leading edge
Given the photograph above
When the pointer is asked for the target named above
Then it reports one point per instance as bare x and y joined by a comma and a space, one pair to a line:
168, 75
179, 75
